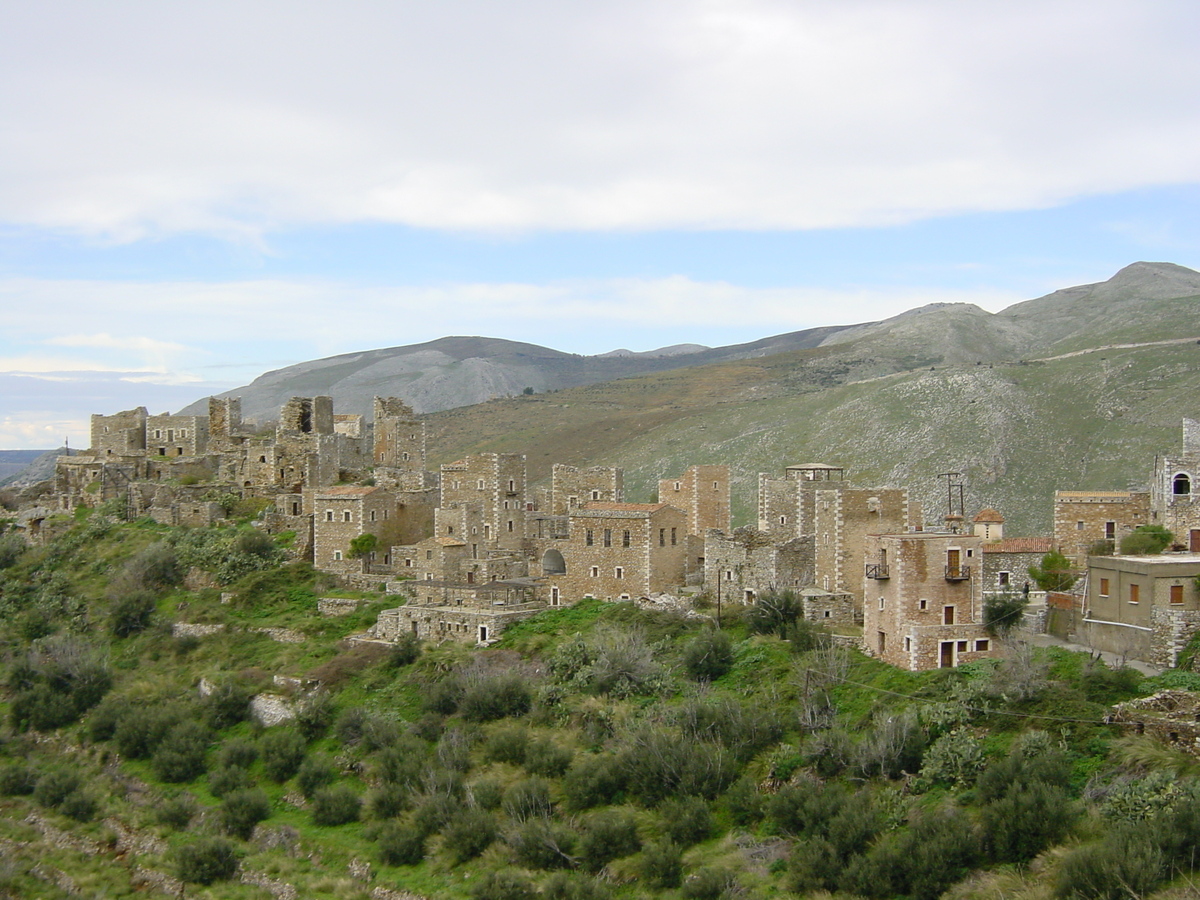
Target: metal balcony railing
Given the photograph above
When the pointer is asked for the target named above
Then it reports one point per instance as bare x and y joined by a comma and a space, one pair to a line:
878, 571
958, 573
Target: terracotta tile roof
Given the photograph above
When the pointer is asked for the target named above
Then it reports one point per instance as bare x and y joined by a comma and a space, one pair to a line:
1020, 545
988, 515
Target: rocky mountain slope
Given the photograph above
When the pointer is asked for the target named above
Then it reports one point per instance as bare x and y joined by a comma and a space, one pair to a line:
460, 371
1077, 390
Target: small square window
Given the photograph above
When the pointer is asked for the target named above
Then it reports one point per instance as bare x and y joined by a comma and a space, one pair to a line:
982, 646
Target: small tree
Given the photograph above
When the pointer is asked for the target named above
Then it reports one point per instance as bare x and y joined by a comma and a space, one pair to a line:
1002, 612
1147, 540
1054, 574
363, 545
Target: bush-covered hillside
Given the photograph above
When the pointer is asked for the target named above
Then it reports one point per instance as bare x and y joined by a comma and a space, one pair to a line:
600, 750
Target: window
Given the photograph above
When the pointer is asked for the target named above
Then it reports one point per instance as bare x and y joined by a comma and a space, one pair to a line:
982, 645
480, 484
783, 520
408, 562
672, 537
404, 456
1135, 593
346, 516
619, 572
1182, 485
662, 537
1103, 587
729, 574
962, 646
337, 554
625, 538
510, 525
607, 537
512, 485
295, 509
947, 615
429, 554
908, 645
881, 603
595, 495
1110, 531
589, 538
372, 515
1079, 526
595, 571
715, 488
923, 604
329, 515
677, 485
1002, 579
1177, 593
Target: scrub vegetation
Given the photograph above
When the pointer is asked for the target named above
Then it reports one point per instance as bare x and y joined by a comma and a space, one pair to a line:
598, 750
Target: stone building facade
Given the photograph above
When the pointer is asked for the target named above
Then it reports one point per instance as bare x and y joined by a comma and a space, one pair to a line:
1175, 490
816, 500
487, 492
168, 435
924, 600
702, 492
341, 514
620, 551
120, 434
747, 563
1006, 563
1146, 607
571, 487
1087, 519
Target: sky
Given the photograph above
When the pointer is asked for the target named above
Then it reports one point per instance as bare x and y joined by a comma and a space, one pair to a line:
194, 194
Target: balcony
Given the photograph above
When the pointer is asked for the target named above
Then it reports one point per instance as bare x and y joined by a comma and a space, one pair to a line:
958, 573
878, 571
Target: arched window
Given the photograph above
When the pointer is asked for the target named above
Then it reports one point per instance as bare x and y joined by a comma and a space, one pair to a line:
1182, 484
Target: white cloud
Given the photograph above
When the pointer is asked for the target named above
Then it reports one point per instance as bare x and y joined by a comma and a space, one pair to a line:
136, 118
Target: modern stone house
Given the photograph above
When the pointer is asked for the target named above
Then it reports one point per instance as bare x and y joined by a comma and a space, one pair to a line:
1084, 520
1146, 607
924, 600
1006, 563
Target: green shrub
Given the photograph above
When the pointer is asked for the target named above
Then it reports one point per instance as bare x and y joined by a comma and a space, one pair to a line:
237, 752
709, 883
227, 779
507, 744
708, 656
131, 613
570, 886
335, 805
1146, 540
594, 779
206, 860
315, 773
141, 728
180, 756
505, 885
240, 811
528, 799
175, 812
1025, 821
17, 779
282, 753
468, 834
314, 714
542, 844
54, 787
661, 866
746, 804
495, 698
1127, 863
607, 836
400, 845
227, 704
388, 800
686, 821
545, 757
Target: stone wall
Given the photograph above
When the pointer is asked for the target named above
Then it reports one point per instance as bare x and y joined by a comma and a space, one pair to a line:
1084, 518
1171, 629
571, 487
